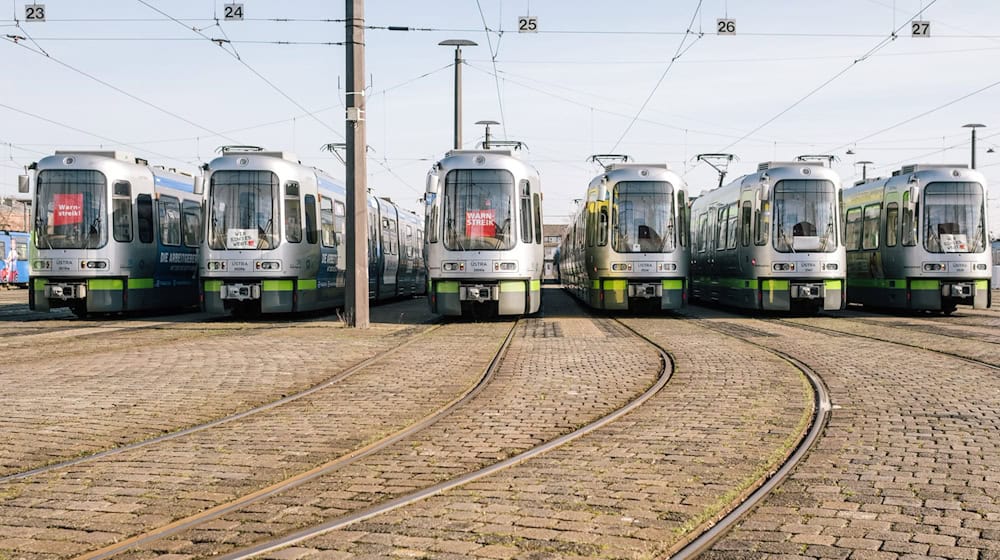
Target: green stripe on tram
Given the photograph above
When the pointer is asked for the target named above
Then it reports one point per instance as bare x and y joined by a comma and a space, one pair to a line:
832, 285
616, 285
140, 283
672, 284
882, 283
95, 284
213, 285
40, 283
536, 285
307, 284
982, 284
925, 285
772, 284
277, 285
446, 287
512, 286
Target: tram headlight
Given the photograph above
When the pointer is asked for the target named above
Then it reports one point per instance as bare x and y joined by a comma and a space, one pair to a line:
783, 267
505, 266
981, 266
666, 267
831, 266
94, 264
43, 264
453, 266
267, 265
934, 267
216, 265
621, 267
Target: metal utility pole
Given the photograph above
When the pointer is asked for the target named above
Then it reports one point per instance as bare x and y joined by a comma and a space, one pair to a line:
458, 44
864, 169
973, 126
356, 303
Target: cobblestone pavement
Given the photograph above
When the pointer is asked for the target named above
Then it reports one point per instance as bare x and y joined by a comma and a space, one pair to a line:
91, 393
630, 490
907, 465
559, 373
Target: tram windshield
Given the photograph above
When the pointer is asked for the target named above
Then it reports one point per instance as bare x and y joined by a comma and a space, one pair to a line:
642, 217
71, 209
953, 218
244, 210
805, 216
478, 207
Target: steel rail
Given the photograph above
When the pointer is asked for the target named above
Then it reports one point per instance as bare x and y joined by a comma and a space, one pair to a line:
666, 372
199, 518
822, 406
224, 420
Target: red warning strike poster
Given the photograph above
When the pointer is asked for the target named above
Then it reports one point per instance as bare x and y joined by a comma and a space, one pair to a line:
480, 223
69, 209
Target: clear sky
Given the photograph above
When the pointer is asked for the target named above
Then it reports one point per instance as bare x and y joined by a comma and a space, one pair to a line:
798, 77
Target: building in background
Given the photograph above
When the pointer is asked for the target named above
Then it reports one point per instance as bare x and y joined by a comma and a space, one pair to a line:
14, 214
552, 236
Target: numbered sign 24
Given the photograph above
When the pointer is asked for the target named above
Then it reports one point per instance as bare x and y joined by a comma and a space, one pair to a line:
726, 26
527, 24
233, 11
34, 12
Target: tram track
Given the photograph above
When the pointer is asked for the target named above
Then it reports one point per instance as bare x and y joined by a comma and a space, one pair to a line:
835, 332
326, 383
663, 377
715, 528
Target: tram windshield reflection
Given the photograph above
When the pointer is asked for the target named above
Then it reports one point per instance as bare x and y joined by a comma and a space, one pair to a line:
805, 216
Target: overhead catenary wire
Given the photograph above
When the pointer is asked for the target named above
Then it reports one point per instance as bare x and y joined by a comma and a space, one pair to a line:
681, 49
493, 58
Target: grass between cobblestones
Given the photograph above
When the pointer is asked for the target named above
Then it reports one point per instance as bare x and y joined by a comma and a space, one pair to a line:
739, 493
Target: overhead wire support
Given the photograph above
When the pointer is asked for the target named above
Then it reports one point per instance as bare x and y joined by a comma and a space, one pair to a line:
493, 57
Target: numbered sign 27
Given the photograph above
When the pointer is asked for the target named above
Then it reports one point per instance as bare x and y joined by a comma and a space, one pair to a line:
920, 28
34, 12
527, 24
726, 26
233, 11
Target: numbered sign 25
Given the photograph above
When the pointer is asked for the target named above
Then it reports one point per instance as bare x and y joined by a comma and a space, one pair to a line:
726, 26
233, 11
921, 28
34, 12
527, 24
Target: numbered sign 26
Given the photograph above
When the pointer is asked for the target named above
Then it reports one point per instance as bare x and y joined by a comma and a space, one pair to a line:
921, 28
527, 24
34, 12
726, 26
233, 11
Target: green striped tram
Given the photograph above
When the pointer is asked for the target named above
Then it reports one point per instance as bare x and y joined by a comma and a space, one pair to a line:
917, 240
770, 240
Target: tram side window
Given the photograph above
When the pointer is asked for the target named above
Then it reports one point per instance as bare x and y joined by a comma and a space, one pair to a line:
311, 219
170, 221
339, 222
293, 213
538, 219
121, 211
591, 224
144, 211
702, 232
721, 225
326, 221
602, 226
869, 238
762, 223
191, 223
891, 223
409, 240
732, 233
525, 215
909, 222
745, 224
853, 229
389, 235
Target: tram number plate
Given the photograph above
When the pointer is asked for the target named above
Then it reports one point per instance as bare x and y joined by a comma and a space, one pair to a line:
479, 266
958, 267
34, 12
527, 24
807, 267
64, 265
239, 266
646, 267
920, 28
233, 11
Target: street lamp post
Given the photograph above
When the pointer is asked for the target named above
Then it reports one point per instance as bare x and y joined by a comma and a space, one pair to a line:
973, 126
458, 44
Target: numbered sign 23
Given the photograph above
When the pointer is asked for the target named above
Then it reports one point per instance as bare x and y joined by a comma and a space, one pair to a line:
726, 26
527, 24
34, 12
233, 11
921, 28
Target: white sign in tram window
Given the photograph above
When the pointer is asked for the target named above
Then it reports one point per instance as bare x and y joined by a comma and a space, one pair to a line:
34, 12
725, 26
920, 28
527, 24
233, 11
241, 238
